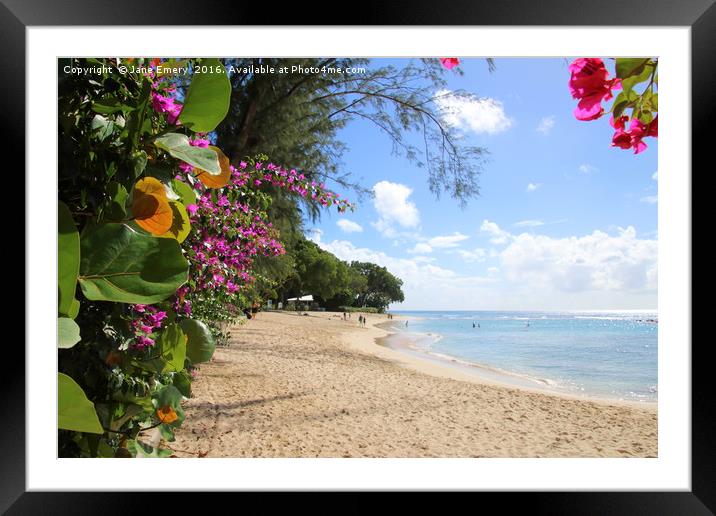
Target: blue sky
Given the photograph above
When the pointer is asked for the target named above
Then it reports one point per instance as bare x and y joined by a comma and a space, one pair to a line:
563, 221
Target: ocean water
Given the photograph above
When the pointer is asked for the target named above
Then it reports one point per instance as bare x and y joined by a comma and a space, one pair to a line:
601, 354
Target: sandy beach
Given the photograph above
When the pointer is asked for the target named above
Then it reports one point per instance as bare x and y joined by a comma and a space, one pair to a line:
318, 386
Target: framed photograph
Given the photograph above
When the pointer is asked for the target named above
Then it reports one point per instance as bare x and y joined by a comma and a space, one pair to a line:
327, 257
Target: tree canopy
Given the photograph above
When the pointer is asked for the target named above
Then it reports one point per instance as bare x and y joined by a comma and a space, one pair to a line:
295, 113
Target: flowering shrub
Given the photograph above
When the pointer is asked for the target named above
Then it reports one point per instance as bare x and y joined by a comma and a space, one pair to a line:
157, 234
591, 84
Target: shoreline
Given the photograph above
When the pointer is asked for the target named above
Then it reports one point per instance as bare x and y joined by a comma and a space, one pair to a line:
463, 370
483, 373
290, 385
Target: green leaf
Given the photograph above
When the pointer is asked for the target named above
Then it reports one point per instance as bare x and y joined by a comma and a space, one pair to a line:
629, 83
122, 265
167, 395
74, 309
180, 223
171, 345
68, 259
207, 101
200, 345
141, 450
68, 333
626, 67
74, 410
620, 104
178, 146
185, 192
116, 207
182, 381
108, 105
102, 126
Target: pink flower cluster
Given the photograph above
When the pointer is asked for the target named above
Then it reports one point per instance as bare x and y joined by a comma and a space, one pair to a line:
590, 83
147, 319
228, 233
632, 137
289, 180
168, 105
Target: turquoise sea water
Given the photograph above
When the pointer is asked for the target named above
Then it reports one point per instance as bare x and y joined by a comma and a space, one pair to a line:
603, 354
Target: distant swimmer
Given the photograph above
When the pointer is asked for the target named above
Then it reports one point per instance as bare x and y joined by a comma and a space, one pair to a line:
528, 324
473, 325
478, 325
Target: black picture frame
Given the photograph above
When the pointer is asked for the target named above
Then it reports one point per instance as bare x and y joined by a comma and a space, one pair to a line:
700, 15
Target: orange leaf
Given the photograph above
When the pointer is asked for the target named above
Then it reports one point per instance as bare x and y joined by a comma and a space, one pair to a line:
167, 414
218, 180
150, 206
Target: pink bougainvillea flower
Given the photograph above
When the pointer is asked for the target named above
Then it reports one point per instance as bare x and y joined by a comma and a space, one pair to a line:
619, 122
449, 62
191, 209
143, 342
653, 129
632, 138
199, 142
162, 104
589, 82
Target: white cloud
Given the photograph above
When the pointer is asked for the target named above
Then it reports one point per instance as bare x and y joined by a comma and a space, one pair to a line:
596, 262
586, 168
531, 187
545, 125
391, 202
348, 226
476, 255
650, 199
468, 112
499, 236
439, 242
655, 176
528, 223
446, 241
421, 247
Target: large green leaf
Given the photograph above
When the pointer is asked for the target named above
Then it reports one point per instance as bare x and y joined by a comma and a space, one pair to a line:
200, 345
178, 146
68, 259
68, 333
122, 265
207, 101
74, 410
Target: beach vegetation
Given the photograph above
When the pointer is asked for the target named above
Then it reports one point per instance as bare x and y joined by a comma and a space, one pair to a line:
158, 234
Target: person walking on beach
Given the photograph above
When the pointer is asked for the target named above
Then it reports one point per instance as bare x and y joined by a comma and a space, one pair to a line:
406, 324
